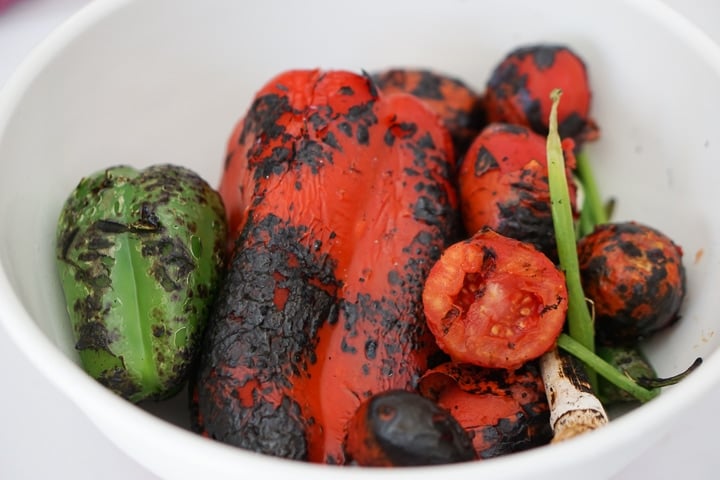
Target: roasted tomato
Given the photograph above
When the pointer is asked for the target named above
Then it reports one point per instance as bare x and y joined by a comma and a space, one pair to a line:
635, 277
402, 428
519, 91
503, 182
460, 108
494, 301
503, 411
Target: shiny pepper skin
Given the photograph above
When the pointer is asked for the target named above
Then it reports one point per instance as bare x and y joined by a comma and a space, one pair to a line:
459, 107
140, 256
635, 277
503, 411
518, 91
340, 198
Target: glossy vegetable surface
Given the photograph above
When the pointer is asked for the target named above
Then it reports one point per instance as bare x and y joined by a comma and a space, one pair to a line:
636, 279
340, 199
518, 91
460, 108
503, 411
503, 182
140, 257
494, 301
402, 428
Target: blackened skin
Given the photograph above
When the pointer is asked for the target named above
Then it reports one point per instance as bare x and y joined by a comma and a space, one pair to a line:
635, 277
519, 87
504, 185
339, 201
253, 341
460, 108
503, 411
402, 428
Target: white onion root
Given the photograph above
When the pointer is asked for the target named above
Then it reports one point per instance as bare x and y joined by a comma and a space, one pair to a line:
574, 409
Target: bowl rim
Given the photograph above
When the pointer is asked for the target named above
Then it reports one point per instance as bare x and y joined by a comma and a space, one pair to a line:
87, 394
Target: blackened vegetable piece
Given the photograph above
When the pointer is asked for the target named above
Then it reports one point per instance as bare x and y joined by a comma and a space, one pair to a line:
140, 256
494, 301
519, 91
402, 428
635, 277
460, 107
503, 184
503, 411
339, 199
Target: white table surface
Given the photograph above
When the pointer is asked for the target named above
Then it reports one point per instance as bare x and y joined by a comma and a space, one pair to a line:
43, 435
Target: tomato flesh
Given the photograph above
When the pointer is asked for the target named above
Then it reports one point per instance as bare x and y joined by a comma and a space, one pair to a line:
494, 301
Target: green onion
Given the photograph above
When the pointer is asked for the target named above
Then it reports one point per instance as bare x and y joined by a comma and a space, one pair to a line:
593, 204
580, 324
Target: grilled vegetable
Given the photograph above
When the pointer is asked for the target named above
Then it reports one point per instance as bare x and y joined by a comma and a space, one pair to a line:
503, 411
503, 182
519, 91
460, 108
140, 257
574, 408
579, 321
494, 301
635, 277
402, 428
340, 199
629, 360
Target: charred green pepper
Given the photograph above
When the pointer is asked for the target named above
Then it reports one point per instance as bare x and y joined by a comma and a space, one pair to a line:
140, 257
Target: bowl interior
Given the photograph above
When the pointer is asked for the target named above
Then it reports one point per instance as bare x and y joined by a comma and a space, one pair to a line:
154, 82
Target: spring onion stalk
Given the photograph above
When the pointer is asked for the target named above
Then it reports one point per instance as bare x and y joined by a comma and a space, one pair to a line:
593, 205
580, 324
586, 224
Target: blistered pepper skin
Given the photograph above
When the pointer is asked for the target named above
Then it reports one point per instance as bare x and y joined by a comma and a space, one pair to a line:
339, 200
140, 256
459, 107
503, 411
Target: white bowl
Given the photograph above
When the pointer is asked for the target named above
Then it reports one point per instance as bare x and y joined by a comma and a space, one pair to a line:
132, 81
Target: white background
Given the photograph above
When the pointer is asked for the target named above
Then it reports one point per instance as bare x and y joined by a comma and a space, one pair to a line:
43, 435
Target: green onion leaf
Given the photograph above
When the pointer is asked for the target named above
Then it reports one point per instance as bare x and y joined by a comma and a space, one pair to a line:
580, 324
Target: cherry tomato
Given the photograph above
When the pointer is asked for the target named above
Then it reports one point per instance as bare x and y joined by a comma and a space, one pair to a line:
635, 277
494, 301
519, 91
503, 184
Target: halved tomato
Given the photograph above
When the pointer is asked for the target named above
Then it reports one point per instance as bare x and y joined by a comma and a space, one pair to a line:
494, 301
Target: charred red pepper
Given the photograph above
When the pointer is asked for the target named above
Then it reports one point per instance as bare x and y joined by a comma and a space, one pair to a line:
402, 428
494, 301
519, 91
340, 199
503, 184
503, 411
636, 279
460, 108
